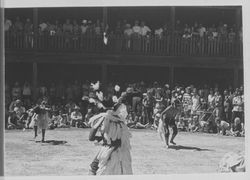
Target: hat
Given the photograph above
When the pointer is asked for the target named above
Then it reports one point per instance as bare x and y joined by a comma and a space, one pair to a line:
84, 21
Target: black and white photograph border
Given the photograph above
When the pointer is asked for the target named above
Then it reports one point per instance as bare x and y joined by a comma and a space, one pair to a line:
246, 56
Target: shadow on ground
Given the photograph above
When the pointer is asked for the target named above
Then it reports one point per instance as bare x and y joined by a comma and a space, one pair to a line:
179, 147
53, 142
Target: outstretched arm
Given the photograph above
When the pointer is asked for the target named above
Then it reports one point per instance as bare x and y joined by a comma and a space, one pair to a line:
93, 131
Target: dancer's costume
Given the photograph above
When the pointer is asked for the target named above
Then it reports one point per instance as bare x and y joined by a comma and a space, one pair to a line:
114, 157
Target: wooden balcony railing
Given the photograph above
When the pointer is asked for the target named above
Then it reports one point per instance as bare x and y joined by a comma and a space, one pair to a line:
171, 45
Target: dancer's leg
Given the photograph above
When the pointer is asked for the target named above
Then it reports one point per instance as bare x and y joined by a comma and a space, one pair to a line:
43, 135
35, 129
175, 131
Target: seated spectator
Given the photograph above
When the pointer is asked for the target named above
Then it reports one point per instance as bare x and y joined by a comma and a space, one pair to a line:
222, 126
64, 121
236, 129
76, 117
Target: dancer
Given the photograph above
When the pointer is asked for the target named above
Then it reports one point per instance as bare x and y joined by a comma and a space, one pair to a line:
114, 157
40, 119
168, 120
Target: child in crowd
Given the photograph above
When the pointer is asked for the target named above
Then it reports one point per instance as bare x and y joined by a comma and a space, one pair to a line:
236, 129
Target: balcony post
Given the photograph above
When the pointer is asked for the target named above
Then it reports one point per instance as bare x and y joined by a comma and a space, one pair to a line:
171, 76
35, 25
104, 77
34, 79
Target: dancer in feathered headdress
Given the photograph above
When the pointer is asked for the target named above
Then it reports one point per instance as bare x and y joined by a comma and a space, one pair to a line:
114, 157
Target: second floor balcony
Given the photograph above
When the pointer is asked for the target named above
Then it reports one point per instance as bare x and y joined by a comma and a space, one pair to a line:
168, 45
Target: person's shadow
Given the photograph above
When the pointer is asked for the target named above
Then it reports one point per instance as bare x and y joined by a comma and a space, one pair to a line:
179, 147
53, 142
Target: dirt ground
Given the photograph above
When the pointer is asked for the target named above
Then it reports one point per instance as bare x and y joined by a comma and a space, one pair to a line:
68, 152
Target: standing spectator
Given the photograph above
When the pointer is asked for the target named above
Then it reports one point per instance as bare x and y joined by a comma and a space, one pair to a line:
26, 92
52, 93
18, 25
76, 28
231, 35
16, 91
202, 30
238, 104
211, 99
97, 27
119, 29
227, 104
42, 27
145, 30
69, 93
7, 25
218, 104
148, 105
28, 31
67, 30
43, 91
84, 26
76, 91
128, 33
187, 102
67, 27
136, 28
195, 103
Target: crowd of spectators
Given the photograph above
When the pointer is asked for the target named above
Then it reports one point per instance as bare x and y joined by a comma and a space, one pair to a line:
134, 29
204, 108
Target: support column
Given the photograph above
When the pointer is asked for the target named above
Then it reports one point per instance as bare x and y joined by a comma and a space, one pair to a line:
2, 96
34, 80
238, 18
172, 18
171, 76
104, 77
35, 25
105, 16
236, 78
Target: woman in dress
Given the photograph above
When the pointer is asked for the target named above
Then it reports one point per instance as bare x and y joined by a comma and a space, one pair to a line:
114, 157
40, 119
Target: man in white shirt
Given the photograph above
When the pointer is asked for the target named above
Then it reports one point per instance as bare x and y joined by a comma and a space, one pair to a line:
136, 28
84, 26
144, 29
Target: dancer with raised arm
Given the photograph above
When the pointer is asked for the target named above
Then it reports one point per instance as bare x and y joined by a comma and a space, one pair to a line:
114, 157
